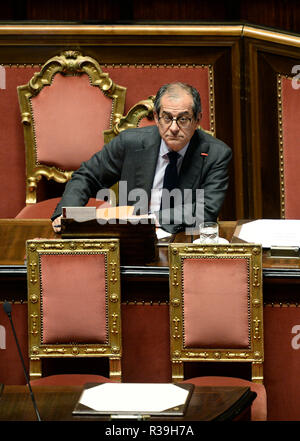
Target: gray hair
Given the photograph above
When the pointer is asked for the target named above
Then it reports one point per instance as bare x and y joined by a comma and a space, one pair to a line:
172, 89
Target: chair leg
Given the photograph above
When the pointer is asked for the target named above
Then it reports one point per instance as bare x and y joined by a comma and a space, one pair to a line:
177, 371
257, 373
35, 368
115, 369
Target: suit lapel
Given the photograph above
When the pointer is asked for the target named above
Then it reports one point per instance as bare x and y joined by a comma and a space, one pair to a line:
191, 169
194, 159
146, 159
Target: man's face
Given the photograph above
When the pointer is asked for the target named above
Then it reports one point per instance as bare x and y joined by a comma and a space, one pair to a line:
182, 106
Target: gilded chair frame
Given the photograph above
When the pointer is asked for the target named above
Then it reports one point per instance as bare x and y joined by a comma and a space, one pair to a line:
142, 109
113, 347
68, 63
254, 354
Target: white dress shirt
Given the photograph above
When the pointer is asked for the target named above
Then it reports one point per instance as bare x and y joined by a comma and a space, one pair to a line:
162, 162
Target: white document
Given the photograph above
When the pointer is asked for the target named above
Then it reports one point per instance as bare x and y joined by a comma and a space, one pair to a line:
272, 232
161, 234
133, 397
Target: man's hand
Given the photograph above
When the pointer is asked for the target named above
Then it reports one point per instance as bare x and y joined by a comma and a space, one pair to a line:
56, 224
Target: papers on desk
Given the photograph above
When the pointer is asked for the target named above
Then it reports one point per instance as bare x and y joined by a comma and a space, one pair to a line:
162, 234
134, 398
272, 232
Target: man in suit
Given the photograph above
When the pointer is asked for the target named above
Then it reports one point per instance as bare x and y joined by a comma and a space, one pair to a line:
173, 154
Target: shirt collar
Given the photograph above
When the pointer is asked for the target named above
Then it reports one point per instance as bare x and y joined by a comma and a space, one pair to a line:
164, 149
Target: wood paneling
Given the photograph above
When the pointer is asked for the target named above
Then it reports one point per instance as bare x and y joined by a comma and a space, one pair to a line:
264, 61
283, 14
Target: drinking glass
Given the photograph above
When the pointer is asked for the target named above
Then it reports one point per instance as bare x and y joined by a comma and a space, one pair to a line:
209, 232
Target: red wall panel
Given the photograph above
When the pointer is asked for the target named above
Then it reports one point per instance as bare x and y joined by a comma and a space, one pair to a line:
12, 149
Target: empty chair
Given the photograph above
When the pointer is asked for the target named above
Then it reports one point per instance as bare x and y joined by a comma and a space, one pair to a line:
74, 306
65, 110
216, 313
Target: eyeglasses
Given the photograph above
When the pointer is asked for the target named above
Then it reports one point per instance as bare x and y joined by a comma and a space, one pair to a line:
182, 121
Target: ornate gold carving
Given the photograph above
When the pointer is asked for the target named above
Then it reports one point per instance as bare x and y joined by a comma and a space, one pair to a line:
256, 303
176, 354
75, 350
34, 323
139, 111
92, 245
256, 323
252, 255
32, 272
176, 323
26, 118
114, 325
112, 246
113, 277
54, 350
36, 306
52, 246
114, 298
176, 302
34, 350
68, 63
34, 298
198, 354
256, 281
174, 275
95, 350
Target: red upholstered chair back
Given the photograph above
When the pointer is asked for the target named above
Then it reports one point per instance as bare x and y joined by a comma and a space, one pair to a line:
65, 109
289, 145
216, 307
149, 79
74, 301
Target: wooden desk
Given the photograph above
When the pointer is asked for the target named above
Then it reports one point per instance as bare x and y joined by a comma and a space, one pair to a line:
145, 295
56, 403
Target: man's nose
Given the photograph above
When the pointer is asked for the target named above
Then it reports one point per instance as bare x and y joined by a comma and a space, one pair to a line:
174, 126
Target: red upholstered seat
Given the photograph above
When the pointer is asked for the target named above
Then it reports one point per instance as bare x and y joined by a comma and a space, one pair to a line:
216, 313
70, 380
45, 209
259, 405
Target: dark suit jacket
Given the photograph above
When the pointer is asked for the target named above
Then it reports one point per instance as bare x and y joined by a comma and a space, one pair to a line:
132, 157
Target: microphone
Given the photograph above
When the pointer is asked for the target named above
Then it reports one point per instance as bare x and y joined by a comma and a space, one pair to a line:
7, 309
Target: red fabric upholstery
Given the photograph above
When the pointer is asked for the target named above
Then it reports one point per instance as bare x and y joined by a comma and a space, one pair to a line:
212, 320
45, 209
291, 137
144, 81
148, 324
80, 282
259, 405
69, 380
69, 119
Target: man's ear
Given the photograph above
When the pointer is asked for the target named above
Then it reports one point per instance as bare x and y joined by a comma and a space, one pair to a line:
155, 117
199, 117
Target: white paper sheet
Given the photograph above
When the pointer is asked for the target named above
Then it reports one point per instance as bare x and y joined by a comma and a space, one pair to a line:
272, 232
133, 397
161, 234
